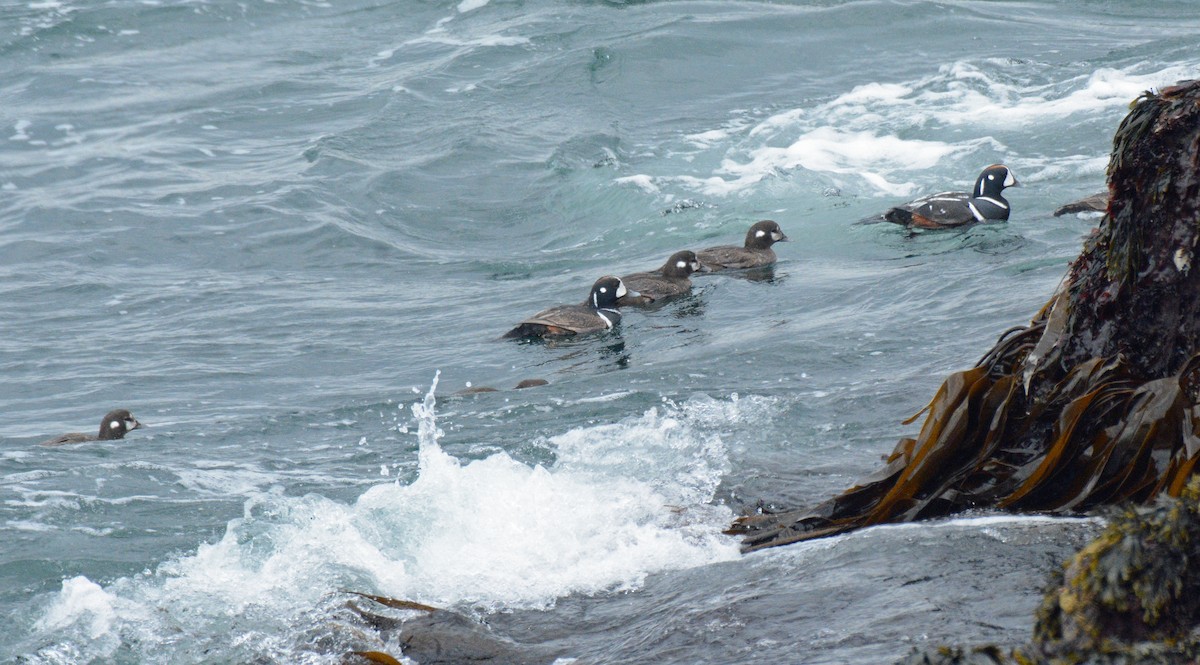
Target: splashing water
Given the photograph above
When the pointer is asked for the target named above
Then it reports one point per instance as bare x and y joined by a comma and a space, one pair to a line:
623, 501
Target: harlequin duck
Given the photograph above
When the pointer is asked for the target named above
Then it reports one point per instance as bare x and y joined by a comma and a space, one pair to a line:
114, 426
1097, 202
756, 253
596, 314
667, 282
984, 203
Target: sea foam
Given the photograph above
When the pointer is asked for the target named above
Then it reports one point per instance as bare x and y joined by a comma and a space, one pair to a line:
874, 138
622, 501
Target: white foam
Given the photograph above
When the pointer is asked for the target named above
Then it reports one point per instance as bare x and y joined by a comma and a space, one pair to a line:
877, 135
19, 128
622, 501
486, 40
643, 181
866, 153
81, 602
987, 101
471, 5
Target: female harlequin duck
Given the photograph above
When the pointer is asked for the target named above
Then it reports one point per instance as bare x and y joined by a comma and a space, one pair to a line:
114, 426
946, 210
596, 314
756, 253
667, 282
1097, 202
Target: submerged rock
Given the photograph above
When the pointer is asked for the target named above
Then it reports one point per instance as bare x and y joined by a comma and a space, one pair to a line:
434, 636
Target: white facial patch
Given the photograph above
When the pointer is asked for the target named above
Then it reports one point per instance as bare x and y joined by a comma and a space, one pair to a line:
681, 264
621, 290
603, 289
759, 233
1009, 180
116, 424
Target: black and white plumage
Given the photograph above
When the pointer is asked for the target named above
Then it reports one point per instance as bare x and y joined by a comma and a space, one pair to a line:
114, 426
984, 203
596, 314
669, 281
755, 253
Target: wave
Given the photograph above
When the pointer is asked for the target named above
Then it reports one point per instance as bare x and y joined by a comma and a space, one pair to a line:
622, 501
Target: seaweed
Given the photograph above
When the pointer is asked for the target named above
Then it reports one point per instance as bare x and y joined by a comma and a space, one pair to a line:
1091, 404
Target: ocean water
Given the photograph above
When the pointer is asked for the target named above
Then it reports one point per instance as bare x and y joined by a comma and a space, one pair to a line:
286, 233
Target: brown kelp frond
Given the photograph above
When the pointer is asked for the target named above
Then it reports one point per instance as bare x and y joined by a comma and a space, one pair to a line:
376, 657
396, 603
1111, 439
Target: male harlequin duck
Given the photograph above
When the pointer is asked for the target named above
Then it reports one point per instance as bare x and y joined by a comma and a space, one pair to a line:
756, 253
114, 426
596, 314
667, 282
946, 210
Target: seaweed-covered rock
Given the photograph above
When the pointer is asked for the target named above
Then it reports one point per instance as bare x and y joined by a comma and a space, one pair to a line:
1092, 403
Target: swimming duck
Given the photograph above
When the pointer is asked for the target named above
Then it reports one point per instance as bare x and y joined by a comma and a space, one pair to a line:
114, 426
596, 314
667, 282
984, 203
755, 253
1097, 202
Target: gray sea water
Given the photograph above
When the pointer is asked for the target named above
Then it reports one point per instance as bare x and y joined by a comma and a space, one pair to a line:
269, 227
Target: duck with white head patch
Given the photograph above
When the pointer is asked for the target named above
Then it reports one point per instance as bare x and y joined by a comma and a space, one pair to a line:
669, 281
756, 252
945, 210
597, 314
114, 426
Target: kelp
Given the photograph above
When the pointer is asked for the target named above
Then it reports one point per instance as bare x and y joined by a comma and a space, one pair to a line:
1130, 596
1091, 404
